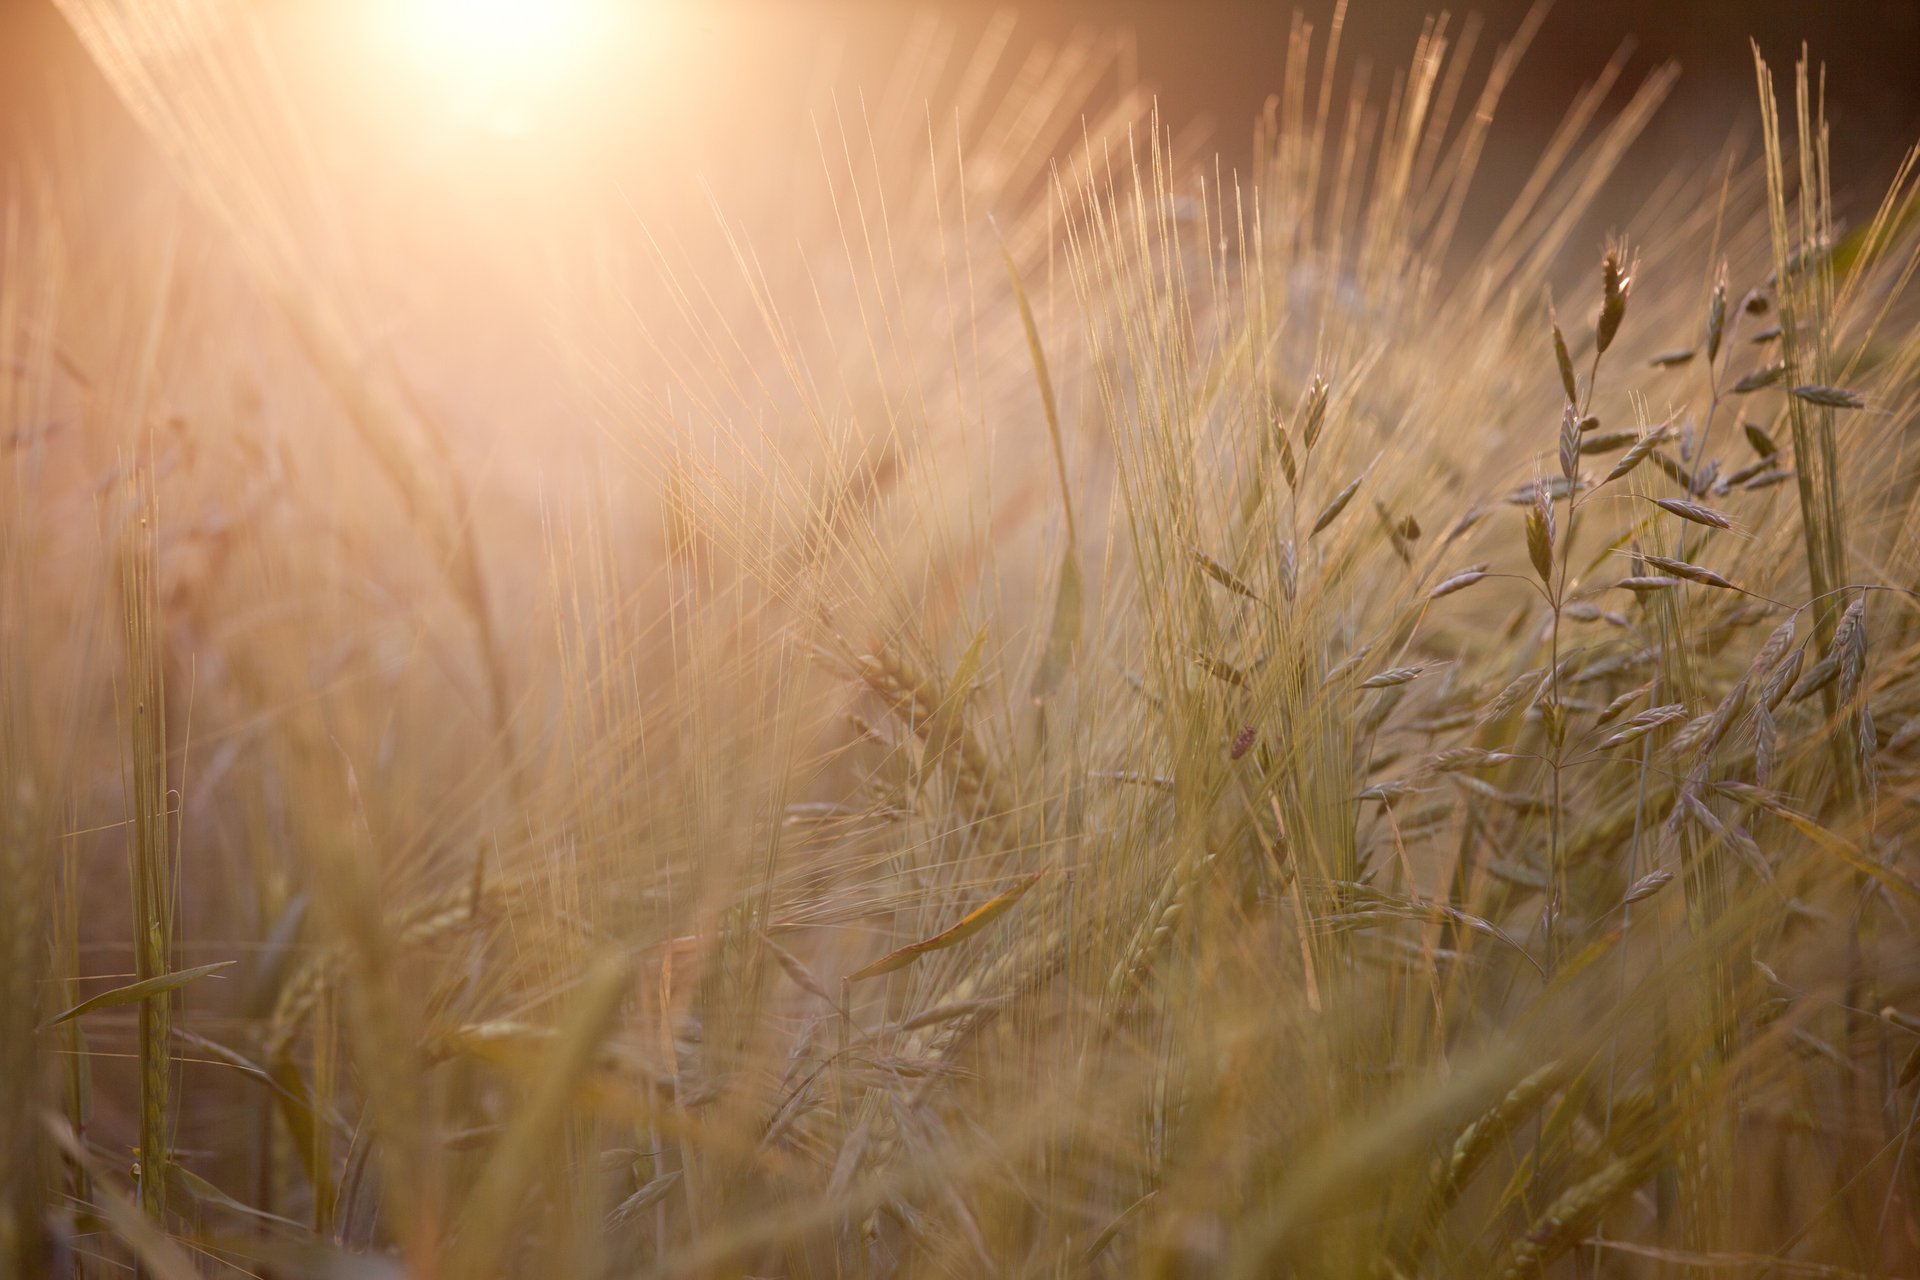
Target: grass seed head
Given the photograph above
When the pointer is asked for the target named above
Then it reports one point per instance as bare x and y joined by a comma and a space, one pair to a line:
1570, 443
1830, 397
1616, 282
1332, 510
1642, 448
1539, 522
1717, 313
1562, 358
1760, 379
1313, 416
1458, 582
1695, 512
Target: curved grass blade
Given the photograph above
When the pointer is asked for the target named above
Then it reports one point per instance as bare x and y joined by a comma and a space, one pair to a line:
973, 922
135, 992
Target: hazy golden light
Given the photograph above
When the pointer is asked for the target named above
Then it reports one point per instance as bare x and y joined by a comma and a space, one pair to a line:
494, 59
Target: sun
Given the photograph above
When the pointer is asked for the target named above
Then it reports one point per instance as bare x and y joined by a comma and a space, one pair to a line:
495, 37
494, 58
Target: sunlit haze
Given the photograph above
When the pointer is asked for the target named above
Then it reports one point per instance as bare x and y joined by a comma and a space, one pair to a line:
1071, 640
496, 60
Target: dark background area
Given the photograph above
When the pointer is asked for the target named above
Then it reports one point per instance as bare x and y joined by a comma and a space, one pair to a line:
1222, 58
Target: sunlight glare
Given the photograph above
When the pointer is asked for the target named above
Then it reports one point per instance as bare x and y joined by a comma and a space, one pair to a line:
494, 58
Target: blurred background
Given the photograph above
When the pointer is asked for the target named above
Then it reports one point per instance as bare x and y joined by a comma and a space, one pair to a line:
495, 195
1213, 61
459, 183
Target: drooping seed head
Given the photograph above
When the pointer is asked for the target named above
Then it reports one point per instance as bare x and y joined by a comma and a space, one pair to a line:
1332, 510
1553, 713
1760, 379
1634, 456
1695, 512
1284, 447
1645, 723
1562, 358
1646, 886
1782, 679
1647, 582
1540, 534
1773, 650
1717, 314
1691, 572
1314, 417
1612, 710
1458, 582
1616, 282
1766, 745
1830, 397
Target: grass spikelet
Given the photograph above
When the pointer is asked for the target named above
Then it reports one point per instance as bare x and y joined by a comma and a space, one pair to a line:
1480, 1139
1691, 572
1568, 1219
1562, 358
1645, 723
1646, 887
1331, 512
1570, 444
1830, 397
1717, 313
1283, 447
1695, 512
1843, 653
1616, 282
1760, 379
1346, 666
1313, 413
1634, 456
1539, 524
1459, 581
1517, 693
1456, 759
1781, 681
1772, 650
1221, 574
1819, 676
1613, 710
1722, 719
1391, 677
1766, 744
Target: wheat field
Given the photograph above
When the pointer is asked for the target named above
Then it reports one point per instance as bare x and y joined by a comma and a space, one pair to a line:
952, 686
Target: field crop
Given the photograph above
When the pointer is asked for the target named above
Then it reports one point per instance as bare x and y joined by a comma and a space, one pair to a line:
965, 691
